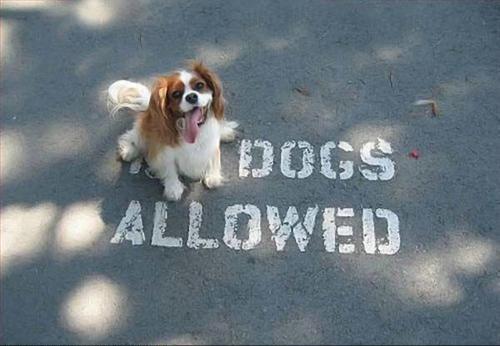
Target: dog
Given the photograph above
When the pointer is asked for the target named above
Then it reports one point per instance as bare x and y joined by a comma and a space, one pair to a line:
178, 128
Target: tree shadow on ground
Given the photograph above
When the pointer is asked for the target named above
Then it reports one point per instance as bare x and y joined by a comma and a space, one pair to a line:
363, 66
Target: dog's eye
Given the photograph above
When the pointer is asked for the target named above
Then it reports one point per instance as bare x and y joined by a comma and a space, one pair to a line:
199, 86
176, 94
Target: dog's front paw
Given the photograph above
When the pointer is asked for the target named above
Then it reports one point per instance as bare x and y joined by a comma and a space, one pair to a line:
212, 181
173, 190
127, 150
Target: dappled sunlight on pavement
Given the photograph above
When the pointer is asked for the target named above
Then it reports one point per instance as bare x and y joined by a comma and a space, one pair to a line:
219, 55
318, 72
95, 308
108, 167
95, 12
436, 278
91, 13
24, 233
299, 328
359, 134
183, 339
13, 155
79, 228
63, 140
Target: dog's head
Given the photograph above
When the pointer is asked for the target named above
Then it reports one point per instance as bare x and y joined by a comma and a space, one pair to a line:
185, 99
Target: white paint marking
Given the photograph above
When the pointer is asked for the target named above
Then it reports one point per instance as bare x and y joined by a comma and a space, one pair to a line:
345, 146
195, 218
374, 155
347, 167
369, 232
245, 158
267, 159
329, 229
281, 231
307, 159
326, 162
135, 166
130, 227
370, 242
345, 231
385, 165
393, 238
160, 228
286, 159
231, 227
345, 212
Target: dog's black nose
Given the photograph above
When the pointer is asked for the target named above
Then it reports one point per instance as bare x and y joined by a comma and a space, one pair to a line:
192, 98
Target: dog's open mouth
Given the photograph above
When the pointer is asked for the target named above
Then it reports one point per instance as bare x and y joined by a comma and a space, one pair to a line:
190, 124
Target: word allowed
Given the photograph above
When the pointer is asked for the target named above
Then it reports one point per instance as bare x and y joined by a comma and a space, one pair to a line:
374, 155
334, 236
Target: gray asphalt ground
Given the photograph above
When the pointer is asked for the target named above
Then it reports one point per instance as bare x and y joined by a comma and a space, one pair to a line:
293, 70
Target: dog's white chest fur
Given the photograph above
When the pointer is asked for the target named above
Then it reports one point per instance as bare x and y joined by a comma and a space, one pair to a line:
192, 160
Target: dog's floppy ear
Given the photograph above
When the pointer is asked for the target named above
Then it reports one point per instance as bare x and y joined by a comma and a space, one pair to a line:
159, 99
214, 84
159, 123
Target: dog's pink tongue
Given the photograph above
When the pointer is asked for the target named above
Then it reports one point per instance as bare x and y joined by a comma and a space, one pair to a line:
192, 129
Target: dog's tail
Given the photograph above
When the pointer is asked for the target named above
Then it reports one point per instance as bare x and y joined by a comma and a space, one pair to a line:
228, 131
126, 94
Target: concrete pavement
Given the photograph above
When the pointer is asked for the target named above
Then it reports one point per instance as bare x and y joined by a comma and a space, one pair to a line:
294, 72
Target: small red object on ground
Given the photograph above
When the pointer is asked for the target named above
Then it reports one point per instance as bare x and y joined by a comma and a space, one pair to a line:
414, 154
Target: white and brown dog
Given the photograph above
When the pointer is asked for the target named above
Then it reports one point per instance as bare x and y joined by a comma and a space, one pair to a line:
179, 126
